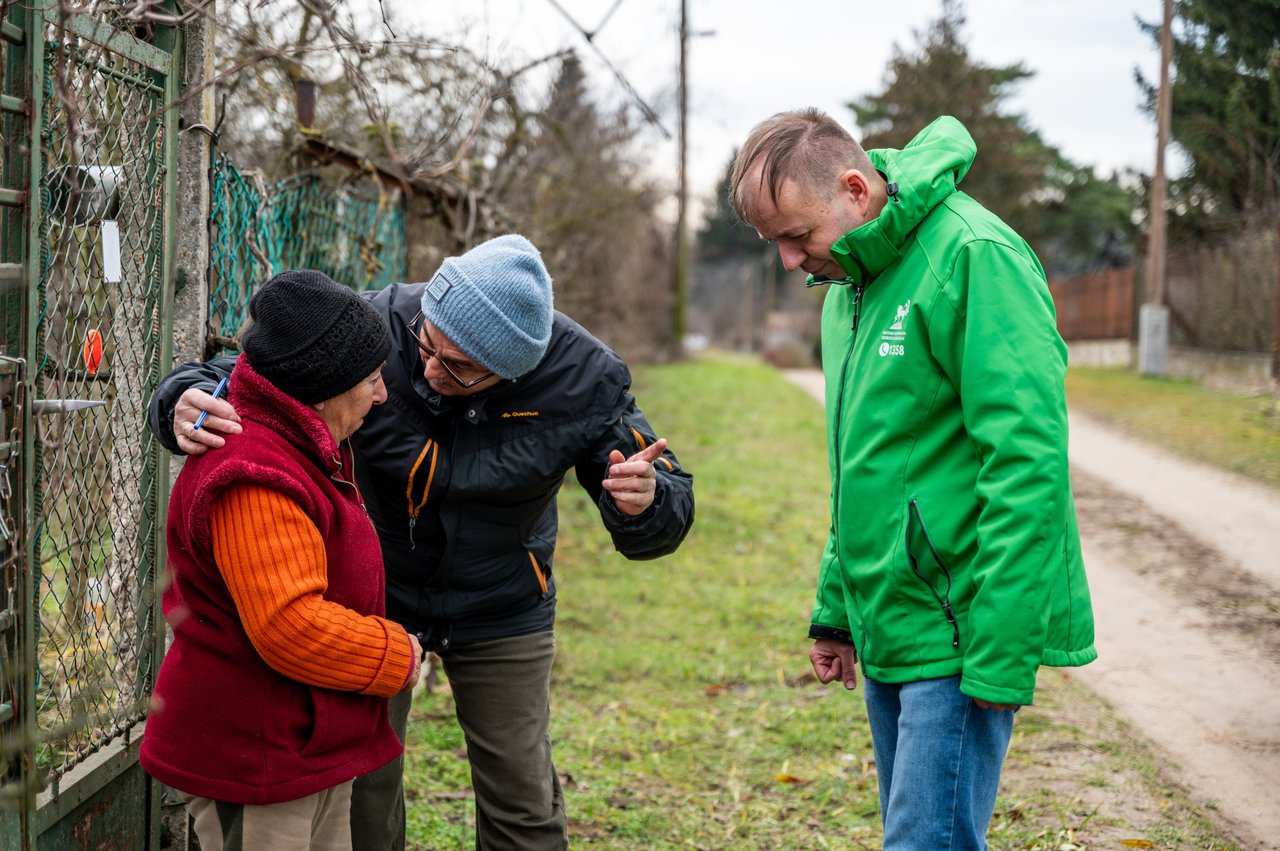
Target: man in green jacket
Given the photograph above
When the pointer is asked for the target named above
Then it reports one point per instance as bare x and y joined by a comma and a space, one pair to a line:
952, 571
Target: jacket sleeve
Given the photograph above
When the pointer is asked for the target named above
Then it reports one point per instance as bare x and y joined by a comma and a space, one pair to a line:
830, 615
272, 558
204, 376
1006, 357
660, 528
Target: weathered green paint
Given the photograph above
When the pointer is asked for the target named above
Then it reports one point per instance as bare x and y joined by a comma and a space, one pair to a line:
28, 723
12, 32
114, 40
109, 809
99, 798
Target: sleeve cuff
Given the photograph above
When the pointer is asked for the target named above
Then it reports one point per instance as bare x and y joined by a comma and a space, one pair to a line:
396, 665
817, 630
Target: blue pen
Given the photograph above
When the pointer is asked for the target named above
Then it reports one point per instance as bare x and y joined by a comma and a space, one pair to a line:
217, 391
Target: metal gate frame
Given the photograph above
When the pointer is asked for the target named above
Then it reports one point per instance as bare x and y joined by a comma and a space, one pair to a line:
103, 800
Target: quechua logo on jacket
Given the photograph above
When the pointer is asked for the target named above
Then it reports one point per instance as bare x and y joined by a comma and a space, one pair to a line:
893, 340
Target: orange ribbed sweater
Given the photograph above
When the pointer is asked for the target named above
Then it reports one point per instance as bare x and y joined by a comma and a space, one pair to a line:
272, 558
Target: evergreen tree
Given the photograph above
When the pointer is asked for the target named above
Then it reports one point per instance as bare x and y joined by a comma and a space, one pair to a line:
581, 195
1226, 109
1073, 220
940, 78
723, 235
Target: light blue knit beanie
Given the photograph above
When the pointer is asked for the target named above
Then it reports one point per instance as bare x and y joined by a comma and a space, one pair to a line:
494, 303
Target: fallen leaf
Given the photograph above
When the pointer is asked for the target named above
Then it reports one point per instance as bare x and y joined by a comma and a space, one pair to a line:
1136, 843
790, 778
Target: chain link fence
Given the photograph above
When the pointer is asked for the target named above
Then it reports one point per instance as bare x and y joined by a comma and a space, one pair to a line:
353, 232
98, 332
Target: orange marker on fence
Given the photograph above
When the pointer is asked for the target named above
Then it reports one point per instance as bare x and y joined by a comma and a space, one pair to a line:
91, 351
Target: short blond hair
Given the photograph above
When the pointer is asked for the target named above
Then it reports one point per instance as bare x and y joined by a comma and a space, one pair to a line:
805, 145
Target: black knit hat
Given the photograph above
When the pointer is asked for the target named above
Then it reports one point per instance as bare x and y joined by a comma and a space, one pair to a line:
313, 338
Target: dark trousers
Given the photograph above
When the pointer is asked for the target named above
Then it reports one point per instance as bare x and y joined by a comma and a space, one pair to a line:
502, 693
377, 798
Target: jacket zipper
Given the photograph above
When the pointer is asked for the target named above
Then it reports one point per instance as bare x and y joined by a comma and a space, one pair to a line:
944, 599
450, 544
858, 290
336, 476
431, 448
643, 444
537, 571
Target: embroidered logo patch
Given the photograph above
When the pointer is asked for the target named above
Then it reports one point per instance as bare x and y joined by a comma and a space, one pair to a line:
439, 286
506, 415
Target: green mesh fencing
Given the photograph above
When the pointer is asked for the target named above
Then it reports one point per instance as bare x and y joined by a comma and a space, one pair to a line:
352, 232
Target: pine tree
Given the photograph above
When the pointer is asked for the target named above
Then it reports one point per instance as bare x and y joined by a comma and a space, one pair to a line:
1226, 108
723, 234
941, 78
1075, 221
582, 197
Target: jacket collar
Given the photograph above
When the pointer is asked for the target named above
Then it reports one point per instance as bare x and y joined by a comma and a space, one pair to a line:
920, 176
256, 398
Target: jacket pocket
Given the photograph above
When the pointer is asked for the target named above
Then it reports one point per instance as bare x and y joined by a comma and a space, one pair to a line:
923, 557
343, 722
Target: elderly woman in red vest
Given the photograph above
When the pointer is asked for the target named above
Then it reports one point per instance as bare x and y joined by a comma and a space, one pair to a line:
272, 697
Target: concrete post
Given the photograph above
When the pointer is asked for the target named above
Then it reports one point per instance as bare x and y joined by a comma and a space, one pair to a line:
191, 255
1154, 317
195, 150
1153, 339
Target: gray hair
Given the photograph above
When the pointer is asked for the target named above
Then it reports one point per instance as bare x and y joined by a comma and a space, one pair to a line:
805, 145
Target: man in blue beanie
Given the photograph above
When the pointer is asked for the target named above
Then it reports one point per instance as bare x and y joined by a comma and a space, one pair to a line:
493, 397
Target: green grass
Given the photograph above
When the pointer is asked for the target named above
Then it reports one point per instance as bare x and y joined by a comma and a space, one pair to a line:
684, 710
1236, 432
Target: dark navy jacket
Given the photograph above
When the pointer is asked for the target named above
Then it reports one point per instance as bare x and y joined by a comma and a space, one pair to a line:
462, 490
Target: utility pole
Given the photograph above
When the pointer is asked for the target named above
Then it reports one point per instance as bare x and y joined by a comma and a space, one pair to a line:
1275, 339
680, 282
1153, 318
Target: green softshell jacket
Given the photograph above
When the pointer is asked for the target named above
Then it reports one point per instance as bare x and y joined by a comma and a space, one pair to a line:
953, 546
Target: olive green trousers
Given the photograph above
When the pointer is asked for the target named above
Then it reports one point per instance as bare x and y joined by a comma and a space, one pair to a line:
501, 691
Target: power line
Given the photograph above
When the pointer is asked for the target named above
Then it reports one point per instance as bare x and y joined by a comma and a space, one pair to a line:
605, 19
649, 114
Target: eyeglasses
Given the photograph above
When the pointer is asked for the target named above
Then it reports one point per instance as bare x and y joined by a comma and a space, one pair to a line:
429, 351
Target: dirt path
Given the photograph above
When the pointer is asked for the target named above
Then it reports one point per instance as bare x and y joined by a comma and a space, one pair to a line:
1238, 517
1183, 561
1184, 566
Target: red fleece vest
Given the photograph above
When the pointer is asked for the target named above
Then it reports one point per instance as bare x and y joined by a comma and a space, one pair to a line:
224, 725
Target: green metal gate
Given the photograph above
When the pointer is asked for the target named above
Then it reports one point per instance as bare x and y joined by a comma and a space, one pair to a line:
86, 209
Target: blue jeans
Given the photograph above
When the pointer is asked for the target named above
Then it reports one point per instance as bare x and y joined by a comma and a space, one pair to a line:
938, 759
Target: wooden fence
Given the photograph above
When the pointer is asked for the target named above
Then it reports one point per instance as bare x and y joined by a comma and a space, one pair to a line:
1096, 307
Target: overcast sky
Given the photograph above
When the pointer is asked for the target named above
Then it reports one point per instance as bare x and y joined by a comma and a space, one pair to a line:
766, 56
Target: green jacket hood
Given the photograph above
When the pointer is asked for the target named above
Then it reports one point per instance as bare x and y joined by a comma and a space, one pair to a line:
920, 176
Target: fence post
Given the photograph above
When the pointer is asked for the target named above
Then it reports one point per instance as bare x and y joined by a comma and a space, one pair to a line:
195, 150
191, 264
